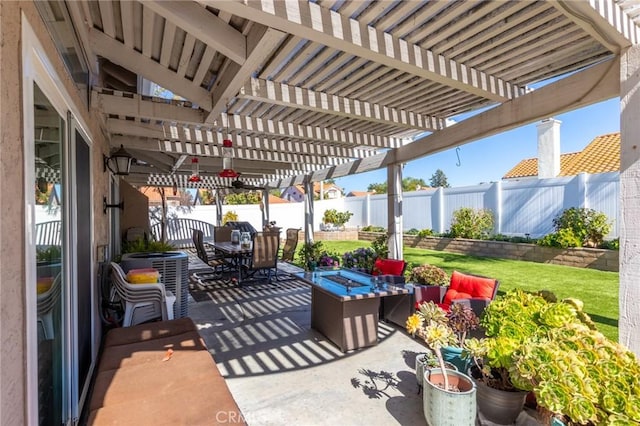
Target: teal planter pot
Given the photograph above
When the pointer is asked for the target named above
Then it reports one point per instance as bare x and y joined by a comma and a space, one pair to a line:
449, 408
453, 355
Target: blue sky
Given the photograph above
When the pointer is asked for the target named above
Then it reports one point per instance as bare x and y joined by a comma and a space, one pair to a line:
488, 159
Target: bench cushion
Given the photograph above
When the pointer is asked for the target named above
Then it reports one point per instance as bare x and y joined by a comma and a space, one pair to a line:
160, 374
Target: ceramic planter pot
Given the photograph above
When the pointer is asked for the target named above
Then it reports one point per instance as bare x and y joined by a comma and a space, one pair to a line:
499, 406
449, 408
453, 355
421, 367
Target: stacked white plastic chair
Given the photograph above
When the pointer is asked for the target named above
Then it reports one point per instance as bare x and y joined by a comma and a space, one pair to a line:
46, 302
142, 302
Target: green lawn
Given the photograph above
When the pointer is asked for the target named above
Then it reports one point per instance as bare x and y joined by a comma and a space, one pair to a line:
597, 289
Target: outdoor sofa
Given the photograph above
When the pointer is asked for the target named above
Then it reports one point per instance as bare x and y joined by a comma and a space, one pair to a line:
159, 373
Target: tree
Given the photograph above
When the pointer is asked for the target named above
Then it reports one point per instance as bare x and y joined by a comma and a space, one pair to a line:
439, 179
378, 188
408, 184
248, 197
413, 184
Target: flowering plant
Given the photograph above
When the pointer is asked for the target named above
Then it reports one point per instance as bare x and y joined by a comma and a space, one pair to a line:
429, 275
329, 260
361, 258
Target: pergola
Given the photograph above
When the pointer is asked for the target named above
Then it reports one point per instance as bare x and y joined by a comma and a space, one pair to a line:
310, 90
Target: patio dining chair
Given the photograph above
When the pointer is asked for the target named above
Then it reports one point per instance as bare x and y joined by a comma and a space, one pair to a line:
215, 261
290, 244
142, 302
264, 256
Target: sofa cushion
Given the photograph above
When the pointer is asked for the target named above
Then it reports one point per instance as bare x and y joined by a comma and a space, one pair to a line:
463, 286
388, 267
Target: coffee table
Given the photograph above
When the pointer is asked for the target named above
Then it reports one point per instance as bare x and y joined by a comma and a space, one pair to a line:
345, 305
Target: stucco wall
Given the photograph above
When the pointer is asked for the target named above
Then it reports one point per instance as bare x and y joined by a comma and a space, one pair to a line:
136, 208
13, 356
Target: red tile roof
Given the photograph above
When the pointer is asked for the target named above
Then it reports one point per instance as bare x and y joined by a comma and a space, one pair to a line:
600, 156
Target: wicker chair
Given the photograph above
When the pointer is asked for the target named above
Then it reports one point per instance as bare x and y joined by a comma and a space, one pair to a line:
142, 302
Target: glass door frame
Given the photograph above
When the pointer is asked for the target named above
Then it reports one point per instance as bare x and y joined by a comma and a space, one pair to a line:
38, 69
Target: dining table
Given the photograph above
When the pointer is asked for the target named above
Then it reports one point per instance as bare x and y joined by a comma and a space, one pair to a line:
239, 254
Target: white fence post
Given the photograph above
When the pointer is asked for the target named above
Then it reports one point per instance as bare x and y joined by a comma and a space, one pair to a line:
437, 210
582, 180
497, 207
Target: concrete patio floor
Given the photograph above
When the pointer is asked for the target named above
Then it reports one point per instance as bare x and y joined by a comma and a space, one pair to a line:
280, 371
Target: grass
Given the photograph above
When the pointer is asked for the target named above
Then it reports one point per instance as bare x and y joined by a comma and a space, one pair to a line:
597, 289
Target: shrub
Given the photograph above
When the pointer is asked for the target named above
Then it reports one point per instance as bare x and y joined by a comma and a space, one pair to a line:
229, 216
611, 244
380, 246
428, 274
588, 225
311, 252
336, 217
563, 238
412, 231
144, 246
471, 223
425, 233
371, 228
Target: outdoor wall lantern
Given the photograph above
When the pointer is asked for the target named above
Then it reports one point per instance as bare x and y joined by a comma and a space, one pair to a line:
227, 160
106, 205
119, 163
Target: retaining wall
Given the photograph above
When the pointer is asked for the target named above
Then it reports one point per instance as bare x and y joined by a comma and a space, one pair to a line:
603, 260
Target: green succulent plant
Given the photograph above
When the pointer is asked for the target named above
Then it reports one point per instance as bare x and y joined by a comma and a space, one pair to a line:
550, 347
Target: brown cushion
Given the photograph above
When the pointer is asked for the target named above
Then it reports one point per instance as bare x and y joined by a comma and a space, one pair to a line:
148, 331
150, 350
135, 385
155, 377
206, 403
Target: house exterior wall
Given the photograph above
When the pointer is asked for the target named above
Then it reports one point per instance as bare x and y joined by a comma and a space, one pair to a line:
292, 193
13, 232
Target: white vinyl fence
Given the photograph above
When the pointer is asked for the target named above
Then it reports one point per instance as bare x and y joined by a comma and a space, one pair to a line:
520, 207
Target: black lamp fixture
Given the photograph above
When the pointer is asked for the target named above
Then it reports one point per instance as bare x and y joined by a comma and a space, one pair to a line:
106, 205
120, 160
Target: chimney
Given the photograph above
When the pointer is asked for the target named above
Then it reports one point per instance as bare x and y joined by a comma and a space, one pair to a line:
548, 148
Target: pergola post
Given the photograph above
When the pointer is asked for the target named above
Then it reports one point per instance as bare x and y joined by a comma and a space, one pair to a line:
629, 317
394, 210
265, 208
219, 197
308, 211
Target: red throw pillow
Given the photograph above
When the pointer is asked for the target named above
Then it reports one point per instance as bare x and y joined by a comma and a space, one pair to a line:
388, 267
464, 286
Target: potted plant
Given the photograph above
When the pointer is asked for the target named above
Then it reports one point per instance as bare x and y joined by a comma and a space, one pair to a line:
431, 280
449, 396
535, 343
457, 323
310, 253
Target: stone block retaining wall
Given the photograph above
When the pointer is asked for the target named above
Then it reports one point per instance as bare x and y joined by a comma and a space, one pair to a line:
604, 260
